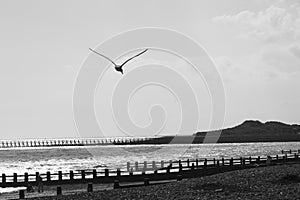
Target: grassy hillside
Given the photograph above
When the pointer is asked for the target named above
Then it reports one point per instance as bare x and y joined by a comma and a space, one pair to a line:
256, 131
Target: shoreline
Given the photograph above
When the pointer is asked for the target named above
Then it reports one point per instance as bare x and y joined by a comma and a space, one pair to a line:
138, 145
272, 182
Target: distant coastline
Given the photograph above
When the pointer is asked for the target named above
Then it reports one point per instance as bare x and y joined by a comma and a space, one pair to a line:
248, 131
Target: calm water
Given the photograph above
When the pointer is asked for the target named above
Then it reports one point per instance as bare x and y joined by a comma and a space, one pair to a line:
20, 160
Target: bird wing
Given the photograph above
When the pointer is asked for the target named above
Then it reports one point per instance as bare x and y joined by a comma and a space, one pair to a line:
134, 57
103, 56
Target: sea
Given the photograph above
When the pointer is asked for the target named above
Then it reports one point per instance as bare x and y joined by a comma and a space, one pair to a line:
53, 159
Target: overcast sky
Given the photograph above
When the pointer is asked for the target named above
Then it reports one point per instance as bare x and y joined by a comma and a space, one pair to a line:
255, 44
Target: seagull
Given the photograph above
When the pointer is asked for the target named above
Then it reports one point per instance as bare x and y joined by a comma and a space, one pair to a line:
119, 67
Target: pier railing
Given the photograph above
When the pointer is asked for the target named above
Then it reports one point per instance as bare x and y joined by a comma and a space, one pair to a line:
69, 142
163, 170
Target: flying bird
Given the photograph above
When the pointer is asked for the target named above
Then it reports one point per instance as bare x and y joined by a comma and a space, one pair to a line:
119, 67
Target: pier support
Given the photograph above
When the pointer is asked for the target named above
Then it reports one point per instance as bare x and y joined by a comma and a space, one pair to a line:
162, 164
48, 176
146, 181
94, 173
58, 191
71, 175
128, 166
90, 187
116, 184
82, 174
22, 194
106, 172
3, 178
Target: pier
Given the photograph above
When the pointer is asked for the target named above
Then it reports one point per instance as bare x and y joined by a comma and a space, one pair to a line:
70, 142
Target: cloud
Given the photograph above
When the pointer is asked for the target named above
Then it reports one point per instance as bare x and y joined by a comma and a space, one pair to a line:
224, 63
229, 69
295, 49
277, 30
269, 25
283, 59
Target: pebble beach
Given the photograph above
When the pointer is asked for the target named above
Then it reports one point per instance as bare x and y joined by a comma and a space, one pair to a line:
272, 182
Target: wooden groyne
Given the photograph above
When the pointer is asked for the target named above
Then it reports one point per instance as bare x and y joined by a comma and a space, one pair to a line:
70, 142
153, 171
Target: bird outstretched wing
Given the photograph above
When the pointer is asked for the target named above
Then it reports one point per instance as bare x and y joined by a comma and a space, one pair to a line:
133, 57
103, 56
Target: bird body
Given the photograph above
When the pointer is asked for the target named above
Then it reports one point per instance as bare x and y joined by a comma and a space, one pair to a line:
119, 68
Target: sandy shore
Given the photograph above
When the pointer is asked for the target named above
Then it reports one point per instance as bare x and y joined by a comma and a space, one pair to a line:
274, 182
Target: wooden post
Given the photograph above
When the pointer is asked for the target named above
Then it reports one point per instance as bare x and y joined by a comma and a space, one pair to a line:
60, 175
36, 176
106, 172
180, 167
3, 178
258, 160
290, 151
15, 177
162, 164
146, 181
136, 166
197, 162
116, 184
58, 191
241, 160
218, 163
193, 166
276, 157
118, 172
214, 162
71, 175
155, 171
48, 176
188, 162
82, 174
269, 160
282, 152
90, 187
145, 165
128, 166
26, 177
22, 194
153, 165
131, 171
231, 161
205, 163
223, 162
168, 170
179, 177
94, 173
170, 163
